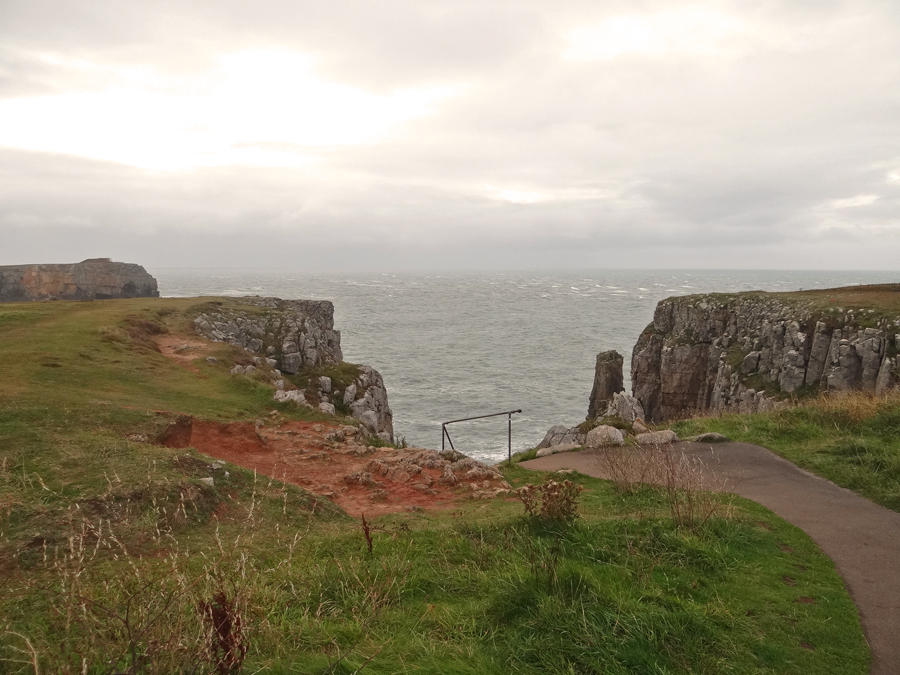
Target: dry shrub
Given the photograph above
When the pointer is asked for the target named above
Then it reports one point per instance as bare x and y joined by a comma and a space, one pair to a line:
688, 484
554, 500
854, 407
226, 638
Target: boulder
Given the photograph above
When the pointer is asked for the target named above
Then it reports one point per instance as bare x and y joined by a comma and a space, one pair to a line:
626, 407
326, 408
561, 435
294, 395
657, 437
602, 436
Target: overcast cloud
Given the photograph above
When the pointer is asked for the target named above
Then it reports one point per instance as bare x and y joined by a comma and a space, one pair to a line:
418, 135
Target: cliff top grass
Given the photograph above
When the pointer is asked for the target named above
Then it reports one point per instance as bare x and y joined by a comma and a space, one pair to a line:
116, 555
869, 303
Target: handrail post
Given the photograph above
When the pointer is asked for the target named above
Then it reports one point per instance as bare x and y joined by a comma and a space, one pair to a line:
509, 417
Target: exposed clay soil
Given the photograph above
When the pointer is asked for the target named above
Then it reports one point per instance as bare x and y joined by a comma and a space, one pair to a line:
330, 460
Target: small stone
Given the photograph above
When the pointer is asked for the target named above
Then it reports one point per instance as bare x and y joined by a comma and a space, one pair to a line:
639, 427
208, 481
712, 437
657, 437
326, 408
212, 360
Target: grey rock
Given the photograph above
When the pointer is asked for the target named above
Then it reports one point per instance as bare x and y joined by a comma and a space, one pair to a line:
562, 435
325, 384
212, 360
712, 437
626, 407
887, 379
209, 481
369, 419
750, 364
294, 395
603, 435
657, 437
326, 408
290, 363
608, 380
350, 394
272, 363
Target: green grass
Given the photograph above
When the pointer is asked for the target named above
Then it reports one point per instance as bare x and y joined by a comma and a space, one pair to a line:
110, 549
852, 440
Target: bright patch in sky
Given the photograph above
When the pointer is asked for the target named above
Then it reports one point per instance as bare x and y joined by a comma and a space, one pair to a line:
690, 31
264, 108
851, 202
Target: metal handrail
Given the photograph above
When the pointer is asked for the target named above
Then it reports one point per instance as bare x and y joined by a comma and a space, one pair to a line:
446, 434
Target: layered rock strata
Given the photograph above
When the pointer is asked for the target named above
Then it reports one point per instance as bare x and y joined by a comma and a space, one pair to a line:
293, 336
93, 279
748, 352
296, 334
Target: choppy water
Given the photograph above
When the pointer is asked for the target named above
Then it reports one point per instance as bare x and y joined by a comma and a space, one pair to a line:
460, 345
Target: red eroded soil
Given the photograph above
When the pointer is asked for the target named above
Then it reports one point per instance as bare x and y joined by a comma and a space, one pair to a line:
328, 459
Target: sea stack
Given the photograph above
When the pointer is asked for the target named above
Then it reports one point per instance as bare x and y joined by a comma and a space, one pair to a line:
608, 380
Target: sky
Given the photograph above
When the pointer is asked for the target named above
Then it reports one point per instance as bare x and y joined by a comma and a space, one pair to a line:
451, 135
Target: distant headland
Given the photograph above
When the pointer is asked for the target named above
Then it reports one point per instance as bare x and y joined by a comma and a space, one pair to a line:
92, 279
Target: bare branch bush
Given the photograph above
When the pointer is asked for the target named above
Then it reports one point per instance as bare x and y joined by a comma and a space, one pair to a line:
687, 482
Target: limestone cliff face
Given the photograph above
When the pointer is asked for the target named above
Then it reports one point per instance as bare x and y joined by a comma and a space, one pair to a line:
94, 279
296, 333
294, 336
748, 352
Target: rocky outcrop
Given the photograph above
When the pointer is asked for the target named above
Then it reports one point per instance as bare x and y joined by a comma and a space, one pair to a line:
93, 279
293, 336
608, 380
748, 352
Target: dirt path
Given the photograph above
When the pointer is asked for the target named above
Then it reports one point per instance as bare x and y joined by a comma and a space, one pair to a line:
862, 538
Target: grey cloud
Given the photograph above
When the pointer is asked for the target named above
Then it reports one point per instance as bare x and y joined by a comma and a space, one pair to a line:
692, 161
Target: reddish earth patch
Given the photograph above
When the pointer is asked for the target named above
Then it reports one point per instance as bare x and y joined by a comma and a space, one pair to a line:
331, 460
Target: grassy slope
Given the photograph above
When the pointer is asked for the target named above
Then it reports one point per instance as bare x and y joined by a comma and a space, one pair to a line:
92, 523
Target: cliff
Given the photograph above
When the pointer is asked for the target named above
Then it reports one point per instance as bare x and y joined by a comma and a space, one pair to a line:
298, 337
747, 352
94, 279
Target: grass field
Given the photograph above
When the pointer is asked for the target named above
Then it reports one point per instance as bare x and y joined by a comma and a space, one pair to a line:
116, 558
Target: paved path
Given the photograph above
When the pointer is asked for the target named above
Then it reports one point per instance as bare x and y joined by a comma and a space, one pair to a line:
862, 538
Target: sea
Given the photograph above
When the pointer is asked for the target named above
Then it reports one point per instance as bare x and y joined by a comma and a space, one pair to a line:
460, 345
